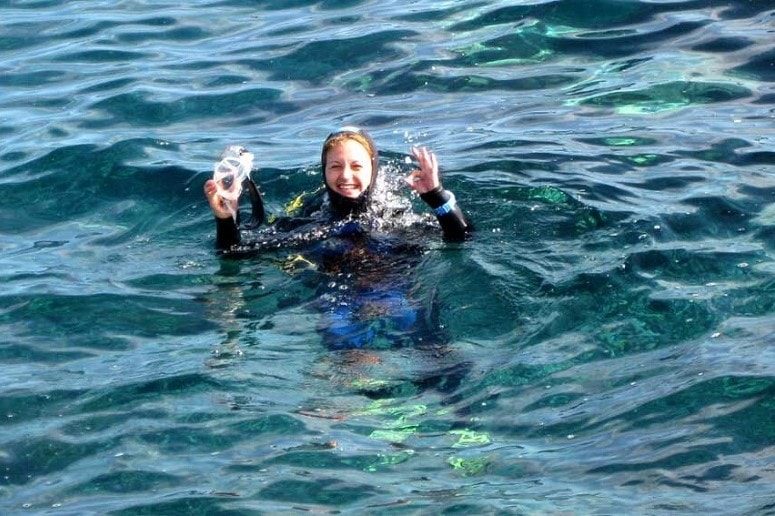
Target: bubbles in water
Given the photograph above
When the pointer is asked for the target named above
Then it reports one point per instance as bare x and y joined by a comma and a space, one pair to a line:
412, 137
392, 206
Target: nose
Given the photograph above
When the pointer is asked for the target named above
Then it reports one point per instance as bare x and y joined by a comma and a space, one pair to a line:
347, 172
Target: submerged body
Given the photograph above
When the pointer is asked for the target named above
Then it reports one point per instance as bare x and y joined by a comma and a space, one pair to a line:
364, 245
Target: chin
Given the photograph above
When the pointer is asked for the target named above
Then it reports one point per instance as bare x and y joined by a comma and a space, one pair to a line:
350, 194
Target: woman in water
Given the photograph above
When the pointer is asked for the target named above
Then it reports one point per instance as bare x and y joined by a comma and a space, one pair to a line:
350, 166
371, 301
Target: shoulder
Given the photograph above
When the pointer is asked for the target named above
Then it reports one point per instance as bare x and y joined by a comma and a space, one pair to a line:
305, 204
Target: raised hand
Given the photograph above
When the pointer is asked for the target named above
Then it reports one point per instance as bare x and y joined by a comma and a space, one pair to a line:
222, 208
425, 178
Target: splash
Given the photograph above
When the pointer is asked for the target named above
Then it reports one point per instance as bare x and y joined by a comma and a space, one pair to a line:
391, 212
392, 207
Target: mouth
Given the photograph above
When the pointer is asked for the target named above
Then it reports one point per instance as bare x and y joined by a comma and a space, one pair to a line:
348, 189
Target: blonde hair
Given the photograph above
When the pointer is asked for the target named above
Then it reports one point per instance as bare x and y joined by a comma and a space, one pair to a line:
338, 138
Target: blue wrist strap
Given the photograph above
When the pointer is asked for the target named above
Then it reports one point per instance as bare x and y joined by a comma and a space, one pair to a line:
447, 206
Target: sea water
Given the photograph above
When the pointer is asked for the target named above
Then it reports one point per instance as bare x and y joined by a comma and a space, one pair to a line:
608, 332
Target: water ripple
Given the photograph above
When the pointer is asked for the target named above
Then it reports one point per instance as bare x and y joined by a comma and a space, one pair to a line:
607, 333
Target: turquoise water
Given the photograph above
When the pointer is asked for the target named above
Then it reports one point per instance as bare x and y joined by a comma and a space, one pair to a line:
609, 330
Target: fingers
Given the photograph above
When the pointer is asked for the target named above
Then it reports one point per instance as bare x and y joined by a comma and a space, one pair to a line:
426, 177
210, 188
416, 181
413, 178
221, 207
426, 159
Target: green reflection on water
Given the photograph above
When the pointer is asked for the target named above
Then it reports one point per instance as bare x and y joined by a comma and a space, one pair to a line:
470, 438
469, 466
667, 96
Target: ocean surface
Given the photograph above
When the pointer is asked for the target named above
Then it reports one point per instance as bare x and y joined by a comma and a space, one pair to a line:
606, 339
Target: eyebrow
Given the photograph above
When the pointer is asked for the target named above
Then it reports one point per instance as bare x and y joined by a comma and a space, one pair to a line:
339, 162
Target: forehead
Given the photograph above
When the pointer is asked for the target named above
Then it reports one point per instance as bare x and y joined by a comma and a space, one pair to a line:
349, 148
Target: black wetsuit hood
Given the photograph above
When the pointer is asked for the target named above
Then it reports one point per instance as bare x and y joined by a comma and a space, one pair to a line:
344, 206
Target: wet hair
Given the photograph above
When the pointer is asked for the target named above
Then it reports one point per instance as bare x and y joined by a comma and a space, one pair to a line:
340, 204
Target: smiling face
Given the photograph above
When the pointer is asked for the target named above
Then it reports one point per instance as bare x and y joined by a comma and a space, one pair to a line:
348, 168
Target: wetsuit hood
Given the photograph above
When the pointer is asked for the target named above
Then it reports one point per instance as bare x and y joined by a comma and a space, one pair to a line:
344, 206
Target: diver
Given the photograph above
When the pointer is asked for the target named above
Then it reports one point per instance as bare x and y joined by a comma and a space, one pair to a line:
342, 228
350, 164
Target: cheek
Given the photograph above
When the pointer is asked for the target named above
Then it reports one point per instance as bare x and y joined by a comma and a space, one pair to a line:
365, 178
330, 176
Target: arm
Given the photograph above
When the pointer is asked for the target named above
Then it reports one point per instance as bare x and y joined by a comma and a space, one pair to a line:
226, 231
426, 182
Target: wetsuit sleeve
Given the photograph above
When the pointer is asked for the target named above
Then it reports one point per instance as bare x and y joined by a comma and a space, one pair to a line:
454, 224
226, 233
